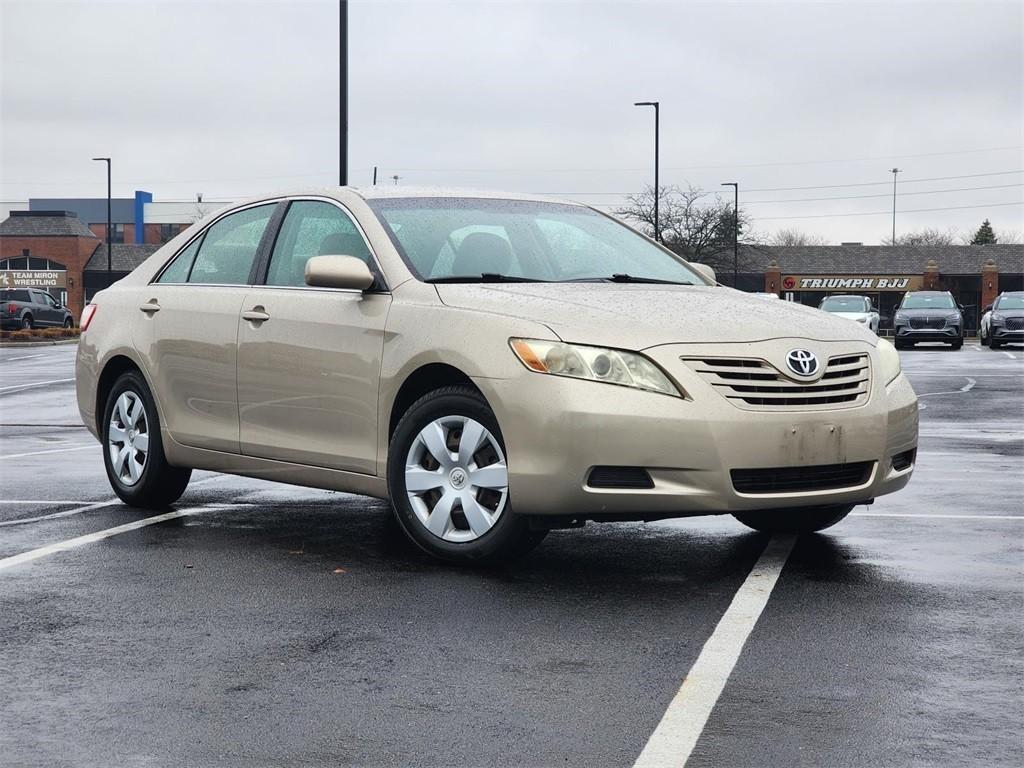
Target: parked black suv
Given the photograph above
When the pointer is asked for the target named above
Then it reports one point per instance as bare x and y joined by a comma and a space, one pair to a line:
929, 316
28, 308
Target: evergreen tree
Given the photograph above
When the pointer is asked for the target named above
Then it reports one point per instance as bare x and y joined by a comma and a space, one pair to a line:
984, 235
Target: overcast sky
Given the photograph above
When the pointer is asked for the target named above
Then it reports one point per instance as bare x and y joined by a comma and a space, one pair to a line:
239, 98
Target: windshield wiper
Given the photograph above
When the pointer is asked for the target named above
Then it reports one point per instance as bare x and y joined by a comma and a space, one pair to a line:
486, 277
621, 277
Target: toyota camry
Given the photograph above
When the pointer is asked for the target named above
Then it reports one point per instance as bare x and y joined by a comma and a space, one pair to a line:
495, 365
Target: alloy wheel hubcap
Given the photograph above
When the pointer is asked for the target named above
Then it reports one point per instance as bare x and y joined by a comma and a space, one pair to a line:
456, 478
128, 438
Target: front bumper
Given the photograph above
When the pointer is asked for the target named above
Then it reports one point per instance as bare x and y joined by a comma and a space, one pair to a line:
947, 334
557, 429
1002, 333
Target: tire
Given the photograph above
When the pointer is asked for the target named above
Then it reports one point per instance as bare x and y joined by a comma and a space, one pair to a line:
902, 344
958, 343
26, 323
993, 343
982, 338
68, 323
151, 483
798, 520
434, 426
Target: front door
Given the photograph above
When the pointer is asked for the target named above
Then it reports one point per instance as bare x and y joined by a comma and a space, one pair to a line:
187, 329
309, 359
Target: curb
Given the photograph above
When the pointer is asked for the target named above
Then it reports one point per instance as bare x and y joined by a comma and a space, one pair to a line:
19, 344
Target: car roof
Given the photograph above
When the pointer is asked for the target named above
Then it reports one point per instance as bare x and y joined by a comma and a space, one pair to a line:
845, 296
391, 191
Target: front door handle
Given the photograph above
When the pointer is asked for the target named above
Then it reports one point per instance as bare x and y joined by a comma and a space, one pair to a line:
255, 315
150, 306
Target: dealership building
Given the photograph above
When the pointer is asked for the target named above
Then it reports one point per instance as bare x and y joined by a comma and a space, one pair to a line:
58, 244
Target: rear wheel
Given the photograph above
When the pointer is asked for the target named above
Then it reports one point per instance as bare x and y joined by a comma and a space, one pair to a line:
133, 452
799, 520
26, 323
68, 323
448, 480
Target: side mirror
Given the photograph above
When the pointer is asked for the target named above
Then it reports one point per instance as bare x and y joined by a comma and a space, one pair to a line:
338, 272
705, 271
987, 309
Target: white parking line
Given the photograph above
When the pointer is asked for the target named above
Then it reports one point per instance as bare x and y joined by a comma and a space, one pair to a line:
23, 357
36, 384
1010, 355
684, 720
52, 450
41, 502
965, 388
63, 546
937, 517
88, 506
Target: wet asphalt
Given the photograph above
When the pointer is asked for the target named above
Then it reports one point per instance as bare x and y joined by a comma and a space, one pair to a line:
286, 626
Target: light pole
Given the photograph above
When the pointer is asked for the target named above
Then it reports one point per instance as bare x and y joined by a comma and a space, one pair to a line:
735, 230
109, 227
343, 92
657, 188
894, 171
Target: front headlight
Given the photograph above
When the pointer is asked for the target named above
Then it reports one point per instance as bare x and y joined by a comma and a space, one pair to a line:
863, 319
612, 366
899, 317
888, 361
997, 319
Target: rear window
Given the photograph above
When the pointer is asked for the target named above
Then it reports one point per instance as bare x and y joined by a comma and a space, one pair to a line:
14, 296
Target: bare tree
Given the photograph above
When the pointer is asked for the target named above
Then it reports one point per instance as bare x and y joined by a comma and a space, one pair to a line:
795, 237
695, 224
926, 236
1010, 236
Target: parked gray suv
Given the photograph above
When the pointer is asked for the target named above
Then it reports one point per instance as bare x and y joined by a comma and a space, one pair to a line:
28, 308
929, 316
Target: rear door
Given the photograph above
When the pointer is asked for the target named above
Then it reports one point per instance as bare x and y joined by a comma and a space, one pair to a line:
309, 359
187, 328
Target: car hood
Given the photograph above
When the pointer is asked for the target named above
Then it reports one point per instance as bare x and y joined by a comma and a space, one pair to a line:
933, 312
1009, 312
851, 315
641, 316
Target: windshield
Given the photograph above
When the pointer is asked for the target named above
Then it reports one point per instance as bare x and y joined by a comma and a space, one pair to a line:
1009, 302
928, 301
483, 240
845, 304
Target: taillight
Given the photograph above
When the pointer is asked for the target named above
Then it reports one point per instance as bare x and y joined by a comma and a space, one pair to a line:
87, 315
12, 309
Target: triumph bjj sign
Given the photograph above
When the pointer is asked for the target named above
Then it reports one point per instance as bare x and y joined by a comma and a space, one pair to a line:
852, 283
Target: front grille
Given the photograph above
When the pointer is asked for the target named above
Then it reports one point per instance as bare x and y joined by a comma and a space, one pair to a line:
619, 477
757, 385
824, 477
1015, 323
927, 323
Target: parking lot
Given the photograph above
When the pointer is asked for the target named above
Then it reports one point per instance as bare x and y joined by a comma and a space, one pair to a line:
273, 625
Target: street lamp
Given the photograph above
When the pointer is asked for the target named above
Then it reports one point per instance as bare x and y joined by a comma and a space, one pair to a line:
735, 230
657, 189
343, 92
109, 227
894, 171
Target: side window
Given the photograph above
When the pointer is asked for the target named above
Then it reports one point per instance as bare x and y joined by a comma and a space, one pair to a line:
229, 247
313, 228
177, 271
49, 299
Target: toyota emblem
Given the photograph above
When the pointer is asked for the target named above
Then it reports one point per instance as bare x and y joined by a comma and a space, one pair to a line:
802, 362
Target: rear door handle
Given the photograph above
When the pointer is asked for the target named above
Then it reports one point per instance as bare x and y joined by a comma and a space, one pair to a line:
150, 306
255, 315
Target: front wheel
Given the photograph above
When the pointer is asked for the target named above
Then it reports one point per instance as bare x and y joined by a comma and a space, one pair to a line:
133, 451
799, 520
958, 343
448, 480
